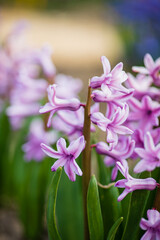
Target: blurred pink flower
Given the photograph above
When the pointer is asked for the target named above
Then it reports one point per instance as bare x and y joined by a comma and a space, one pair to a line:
151, 68
150, 155
36, 135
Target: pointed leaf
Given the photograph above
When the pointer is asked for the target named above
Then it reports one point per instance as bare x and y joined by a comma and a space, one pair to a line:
111, 208
51, 206
95, 220
136, 209
69, 208
114, 229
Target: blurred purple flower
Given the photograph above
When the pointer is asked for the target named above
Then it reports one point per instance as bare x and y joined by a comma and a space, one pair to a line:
114, 126
73, 86
120, 153
43, 58
55, 104
145, 89
24, 99
151, 68
113, 79
71, 123
18, 112
150, 155
36, 135
145, 112
66, 156
131, 184
152, 225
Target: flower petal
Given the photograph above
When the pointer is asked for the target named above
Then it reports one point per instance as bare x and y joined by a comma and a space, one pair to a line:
77, 146
61, 146
123, 194
148, 142
69, 170
106, 65
49, 151
59, 163
76, 168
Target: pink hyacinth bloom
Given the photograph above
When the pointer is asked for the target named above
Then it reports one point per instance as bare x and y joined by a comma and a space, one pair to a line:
120, 153
151, 68
73, 86
113, 79
151, 226
55, 104
131, 184
43, 58
105, 95
150, 155
71, 123
114, 126
66, 156
18, 112
37, 134
145, 112
145, 89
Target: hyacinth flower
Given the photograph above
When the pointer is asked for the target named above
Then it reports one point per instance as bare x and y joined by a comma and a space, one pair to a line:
131, 184
18, 112
151, 226
145, 89
105, 95
113, 79
24, 99
66, 156
150, 155
120, 153
73, 86
145, 112
28, 90
151, 68
55, 104
71, 123
43, 58
36, 135
113, 126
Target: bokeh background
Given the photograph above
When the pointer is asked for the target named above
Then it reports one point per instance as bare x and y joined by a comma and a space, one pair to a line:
80, 32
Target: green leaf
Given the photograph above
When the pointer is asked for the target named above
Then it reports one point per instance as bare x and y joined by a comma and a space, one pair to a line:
111, 208
69, 209
4, 152
104, 171
136, 209
32, 198
114, 229
51, 206
95, 220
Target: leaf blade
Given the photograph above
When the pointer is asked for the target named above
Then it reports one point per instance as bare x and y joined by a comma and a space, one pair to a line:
114, 228
51, 206
95, 220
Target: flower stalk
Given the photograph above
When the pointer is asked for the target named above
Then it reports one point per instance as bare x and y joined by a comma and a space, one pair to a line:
86, 162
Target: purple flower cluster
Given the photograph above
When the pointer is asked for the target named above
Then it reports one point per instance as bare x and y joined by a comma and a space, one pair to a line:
23, 77
131, 110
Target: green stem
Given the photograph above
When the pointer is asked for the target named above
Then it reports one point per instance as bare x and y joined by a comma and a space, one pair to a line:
86, 162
